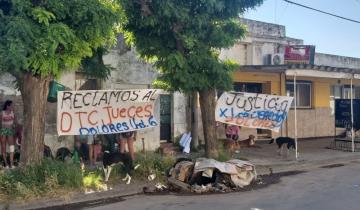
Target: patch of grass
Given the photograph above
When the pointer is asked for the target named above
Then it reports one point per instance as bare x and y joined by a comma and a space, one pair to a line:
39, 179
54, 178
177, 141
93, 181
223, 155
153, 163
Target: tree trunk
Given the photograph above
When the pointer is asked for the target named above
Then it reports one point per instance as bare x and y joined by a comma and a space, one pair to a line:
207, 105
195, 122
34, 92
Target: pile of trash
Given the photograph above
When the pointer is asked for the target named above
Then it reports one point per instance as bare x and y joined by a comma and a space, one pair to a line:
208, 175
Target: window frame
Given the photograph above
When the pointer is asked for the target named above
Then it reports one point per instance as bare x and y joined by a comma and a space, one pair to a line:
301, 82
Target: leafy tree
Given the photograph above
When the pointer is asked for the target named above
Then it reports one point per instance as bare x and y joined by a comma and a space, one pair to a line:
41, 39
184, 37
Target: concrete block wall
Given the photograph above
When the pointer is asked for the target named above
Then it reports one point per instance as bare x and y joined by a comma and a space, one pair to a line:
316, 122
336, 61
51, 138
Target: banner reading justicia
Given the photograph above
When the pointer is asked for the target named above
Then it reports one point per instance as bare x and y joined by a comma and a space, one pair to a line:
91, 112
253, 110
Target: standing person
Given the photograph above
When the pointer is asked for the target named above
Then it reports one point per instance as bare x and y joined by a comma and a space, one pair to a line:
7, 132
128, 138
91, 146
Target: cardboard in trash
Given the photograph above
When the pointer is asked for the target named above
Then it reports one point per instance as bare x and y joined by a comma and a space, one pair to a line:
242, 173
182, 171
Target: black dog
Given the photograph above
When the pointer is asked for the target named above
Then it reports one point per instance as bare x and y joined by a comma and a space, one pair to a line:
48, 152
111, 159
280, 141
63, 154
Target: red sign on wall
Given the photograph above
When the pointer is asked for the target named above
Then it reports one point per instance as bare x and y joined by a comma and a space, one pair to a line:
299, 54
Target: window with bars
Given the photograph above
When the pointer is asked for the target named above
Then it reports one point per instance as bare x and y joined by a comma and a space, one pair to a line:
303, 93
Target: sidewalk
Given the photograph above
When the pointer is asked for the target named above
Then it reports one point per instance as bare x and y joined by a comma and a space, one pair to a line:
313, 154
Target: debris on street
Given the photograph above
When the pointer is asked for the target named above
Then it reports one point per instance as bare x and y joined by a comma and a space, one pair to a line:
208, 175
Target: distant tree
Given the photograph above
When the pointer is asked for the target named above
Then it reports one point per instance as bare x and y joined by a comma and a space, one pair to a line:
184, 37
41, 39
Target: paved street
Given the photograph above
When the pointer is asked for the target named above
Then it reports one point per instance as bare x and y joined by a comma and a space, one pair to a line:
325, 188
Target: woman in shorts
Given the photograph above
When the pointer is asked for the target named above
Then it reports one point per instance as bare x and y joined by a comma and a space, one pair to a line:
128, 138
7, 132
91, 145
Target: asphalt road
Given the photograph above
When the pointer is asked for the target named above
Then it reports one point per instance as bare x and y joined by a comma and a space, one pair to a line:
324, 188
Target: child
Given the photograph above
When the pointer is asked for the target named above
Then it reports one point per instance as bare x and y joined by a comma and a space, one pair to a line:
232, 132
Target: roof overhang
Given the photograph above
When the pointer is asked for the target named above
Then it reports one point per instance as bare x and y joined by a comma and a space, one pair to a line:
305, 70
317, 73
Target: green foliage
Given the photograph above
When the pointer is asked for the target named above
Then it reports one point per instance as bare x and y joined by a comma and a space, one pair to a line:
153, 163
40, 179
183, 37
48, 37
94, 180
223, 155
94, 66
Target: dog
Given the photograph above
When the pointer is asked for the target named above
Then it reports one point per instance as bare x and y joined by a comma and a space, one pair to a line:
48, 153
111, 159
63, 154
19, 135
281, 141
249, 142
232, 145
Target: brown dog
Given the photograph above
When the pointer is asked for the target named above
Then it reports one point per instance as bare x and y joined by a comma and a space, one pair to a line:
231, 146
250, 142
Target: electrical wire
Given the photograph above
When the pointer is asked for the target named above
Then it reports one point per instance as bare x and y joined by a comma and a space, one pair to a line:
317, 10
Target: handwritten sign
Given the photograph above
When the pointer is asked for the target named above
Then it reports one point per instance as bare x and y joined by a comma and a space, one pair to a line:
105, 112
253, 110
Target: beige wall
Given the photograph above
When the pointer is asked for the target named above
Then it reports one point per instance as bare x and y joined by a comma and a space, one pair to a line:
316, 122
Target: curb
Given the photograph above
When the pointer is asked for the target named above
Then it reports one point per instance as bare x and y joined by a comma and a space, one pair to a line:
90, 200
305, 165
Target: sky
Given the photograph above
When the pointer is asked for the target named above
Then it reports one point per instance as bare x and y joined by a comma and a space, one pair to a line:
329, 34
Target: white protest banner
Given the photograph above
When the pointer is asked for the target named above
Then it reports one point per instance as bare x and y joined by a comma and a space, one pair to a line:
253, 110
90, 112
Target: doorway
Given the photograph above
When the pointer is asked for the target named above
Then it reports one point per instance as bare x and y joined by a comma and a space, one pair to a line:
165, 118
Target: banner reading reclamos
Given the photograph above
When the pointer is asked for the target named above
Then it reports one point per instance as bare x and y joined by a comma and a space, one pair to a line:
90, 112
253, 110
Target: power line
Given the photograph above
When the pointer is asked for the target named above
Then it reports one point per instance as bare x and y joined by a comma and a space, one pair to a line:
327, 13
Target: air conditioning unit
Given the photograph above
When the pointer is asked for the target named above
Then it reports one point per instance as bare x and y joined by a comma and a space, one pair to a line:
277, 59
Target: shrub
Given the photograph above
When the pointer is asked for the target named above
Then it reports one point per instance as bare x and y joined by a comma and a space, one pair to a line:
39, 179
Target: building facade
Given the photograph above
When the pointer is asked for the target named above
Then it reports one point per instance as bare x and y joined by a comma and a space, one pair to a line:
128, 72
259, 73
